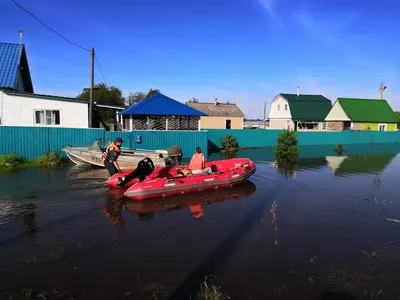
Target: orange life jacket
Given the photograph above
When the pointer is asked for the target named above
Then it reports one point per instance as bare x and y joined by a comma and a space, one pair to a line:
197, 162
117, 152
197, 210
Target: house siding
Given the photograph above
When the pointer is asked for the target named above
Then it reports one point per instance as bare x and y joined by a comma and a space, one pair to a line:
375, 126
337, 113
281, 113
336, 126
370, 126
280, 124
19, 111
358, 126
220, 122
278, 118
392, 127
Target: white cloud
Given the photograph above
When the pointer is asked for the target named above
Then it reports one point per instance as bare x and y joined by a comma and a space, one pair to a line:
268, 6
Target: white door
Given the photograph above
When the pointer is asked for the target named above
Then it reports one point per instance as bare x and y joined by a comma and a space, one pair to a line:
382, 127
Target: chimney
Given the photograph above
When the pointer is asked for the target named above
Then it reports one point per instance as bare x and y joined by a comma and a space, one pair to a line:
216, 101
298, 91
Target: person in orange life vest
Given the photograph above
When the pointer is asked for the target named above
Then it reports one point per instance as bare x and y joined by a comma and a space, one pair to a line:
111, 155
197, 210
197, 163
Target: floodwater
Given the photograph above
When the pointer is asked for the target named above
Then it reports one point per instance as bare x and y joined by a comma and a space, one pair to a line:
328, 225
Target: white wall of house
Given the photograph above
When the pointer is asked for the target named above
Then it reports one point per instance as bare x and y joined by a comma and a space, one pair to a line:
16, 110
337, 113
279, 114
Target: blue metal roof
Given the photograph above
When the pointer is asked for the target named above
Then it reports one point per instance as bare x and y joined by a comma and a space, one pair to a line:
161, 105
13, 56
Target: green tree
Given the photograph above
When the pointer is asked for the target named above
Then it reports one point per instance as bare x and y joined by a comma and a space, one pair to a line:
108, 95
135, 98
152, 92
194, 100
286, 153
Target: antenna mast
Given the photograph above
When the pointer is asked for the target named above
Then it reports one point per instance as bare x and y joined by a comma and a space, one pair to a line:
21, 32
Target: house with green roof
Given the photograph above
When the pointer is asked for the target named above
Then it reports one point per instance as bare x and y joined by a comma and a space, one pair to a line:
361, 114
299, 112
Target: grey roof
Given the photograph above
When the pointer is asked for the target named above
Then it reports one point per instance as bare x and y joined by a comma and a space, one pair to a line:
217, 110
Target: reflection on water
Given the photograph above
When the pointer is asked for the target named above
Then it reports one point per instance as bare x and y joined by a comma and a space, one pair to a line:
331, 225
196, 203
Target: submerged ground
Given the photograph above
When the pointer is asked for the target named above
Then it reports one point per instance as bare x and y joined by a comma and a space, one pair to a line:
329, 225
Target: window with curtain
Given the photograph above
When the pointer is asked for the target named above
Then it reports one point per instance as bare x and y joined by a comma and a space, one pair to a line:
47, 117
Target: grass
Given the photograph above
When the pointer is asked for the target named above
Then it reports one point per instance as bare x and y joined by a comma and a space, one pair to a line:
11, 161
210, 292
29, 294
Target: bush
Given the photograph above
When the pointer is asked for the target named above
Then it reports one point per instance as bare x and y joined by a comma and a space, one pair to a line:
229, 142
339, 149
11, 160
49, 160
286, 146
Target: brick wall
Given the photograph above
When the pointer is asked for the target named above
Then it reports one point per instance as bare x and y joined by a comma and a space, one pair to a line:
339, 126
358, 126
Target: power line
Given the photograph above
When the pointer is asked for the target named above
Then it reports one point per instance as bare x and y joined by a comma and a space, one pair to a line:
101, 72
52, 30
50, 85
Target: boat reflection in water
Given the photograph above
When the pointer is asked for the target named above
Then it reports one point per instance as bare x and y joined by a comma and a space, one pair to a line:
196, 203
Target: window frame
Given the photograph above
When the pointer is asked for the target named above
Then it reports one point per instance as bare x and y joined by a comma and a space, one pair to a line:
382, 124
44, 123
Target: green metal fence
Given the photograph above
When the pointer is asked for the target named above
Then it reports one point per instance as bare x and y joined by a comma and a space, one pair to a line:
266, 138
32, 142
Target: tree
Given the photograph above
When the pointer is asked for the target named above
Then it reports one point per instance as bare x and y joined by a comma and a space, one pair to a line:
194, 100
135, 98
108, 95
152, 92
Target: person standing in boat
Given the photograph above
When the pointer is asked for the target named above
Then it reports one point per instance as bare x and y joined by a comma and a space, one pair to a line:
197, 164
111, 155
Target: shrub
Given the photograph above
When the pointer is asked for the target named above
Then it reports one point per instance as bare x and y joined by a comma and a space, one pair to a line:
49, 160
229, 142
286, 147
230, 154
11, 160
339, 149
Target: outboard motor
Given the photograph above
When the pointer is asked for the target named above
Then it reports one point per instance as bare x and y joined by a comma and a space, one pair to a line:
145, 168
174, 156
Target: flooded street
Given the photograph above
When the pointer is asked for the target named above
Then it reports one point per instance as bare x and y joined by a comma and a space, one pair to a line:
331, 224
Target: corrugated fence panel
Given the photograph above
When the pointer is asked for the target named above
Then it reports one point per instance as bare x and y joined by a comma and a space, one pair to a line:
161, 140
32, 142
125, 135
245, 138
75, 137
29, 142
265, 138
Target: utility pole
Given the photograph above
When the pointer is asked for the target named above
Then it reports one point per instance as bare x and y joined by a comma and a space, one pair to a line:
91, 89
382, 88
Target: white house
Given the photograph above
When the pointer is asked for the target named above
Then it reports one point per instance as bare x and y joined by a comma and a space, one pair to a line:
299, 112
20, 106
24, 109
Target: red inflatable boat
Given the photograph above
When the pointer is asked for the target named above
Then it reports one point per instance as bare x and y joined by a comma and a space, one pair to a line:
166, 181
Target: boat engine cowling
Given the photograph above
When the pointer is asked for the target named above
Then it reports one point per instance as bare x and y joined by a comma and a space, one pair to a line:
175, 155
